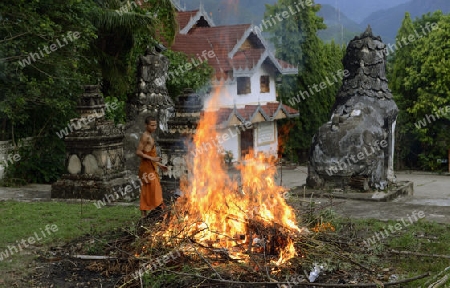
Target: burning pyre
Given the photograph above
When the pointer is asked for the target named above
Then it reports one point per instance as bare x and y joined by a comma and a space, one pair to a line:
238, 215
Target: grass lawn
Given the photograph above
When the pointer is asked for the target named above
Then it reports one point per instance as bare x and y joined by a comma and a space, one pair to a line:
23, 223
422, 237
343, 251
21, 220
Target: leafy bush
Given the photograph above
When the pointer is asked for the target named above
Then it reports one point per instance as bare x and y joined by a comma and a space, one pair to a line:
428, 161
41, 162
118, 114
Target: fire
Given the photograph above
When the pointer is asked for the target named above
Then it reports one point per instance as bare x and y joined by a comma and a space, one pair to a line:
218, 210
283, 133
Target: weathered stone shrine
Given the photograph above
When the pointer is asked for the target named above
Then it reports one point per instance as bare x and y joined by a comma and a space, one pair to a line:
95, 163
152, 94
176, 122
175, 142
151, 99
357, 144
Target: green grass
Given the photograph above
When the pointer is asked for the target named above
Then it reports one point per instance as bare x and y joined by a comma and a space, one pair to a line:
21, 220
420, 237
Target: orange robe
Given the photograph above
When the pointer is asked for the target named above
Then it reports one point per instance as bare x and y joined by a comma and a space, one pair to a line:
151, 191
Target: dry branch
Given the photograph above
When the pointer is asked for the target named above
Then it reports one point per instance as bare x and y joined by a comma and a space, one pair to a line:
439, 283
94, 257
432, 285
419, 254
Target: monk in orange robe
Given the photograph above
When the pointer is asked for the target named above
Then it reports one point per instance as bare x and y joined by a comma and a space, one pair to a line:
151, 191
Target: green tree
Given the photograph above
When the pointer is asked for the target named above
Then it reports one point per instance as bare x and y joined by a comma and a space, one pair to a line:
417, 77
34, 79
296, 42
400, 56
124, 31
429, 76
196, 78
40, 77
40, 85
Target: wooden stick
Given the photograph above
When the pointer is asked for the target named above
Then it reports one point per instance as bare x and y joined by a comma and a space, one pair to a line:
209, 264
435, 277
94, 257
439, 283
420, 254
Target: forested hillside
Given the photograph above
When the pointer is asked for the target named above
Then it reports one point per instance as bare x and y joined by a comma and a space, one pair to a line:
344, 21
387, 22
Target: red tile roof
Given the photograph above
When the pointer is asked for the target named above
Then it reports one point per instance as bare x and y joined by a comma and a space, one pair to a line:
268, 110
222, 40
183, 17
290, 110
247, 59
194, 45
285, 64
271, 107
247, 112
223, 115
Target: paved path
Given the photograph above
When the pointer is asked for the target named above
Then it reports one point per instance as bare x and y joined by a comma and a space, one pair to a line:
431, 195
32, 192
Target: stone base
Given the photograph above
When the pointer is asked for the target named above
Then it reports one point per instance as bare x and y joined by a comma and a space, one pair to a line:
326, 182
399, 189
96, 188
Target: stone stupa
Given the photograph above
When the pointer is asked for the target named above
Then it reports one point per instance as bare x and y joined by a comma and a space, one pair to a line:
357, 144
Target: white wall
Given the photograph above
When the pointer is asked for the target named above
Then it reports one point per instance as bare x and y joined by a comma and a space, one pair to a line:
228, 93
228, 98
230, 139
268, 146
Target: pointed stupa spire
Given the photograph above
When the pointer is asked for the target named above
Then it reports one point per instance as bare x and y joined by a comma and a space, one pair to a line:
368, 32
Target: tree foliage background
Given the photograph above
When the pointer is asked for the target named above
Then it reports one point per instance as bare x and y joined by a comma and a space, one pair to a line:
296, 42
39, 99
419, 77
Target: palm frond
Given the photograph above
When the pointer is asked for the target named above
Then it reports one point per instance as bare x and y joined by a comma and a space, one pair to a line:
110, 20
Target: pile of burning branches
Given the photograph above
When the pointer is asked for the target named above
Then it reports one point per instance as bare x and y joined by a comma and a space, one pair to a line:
322, 258
234, 231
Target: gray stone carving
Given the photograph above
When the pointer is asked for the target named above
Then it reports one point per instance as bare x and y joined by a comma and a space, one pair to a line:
94, 152
151, 91
174, 143
151, 98
358, 141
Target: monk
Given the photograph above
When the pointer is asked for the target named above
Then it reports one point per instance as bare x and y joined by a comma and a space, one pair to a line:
151, 191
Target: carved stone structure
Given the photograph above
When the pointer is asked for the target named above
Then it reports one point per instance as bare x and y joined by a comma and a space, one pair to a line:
151, 84
151, 98
94, 153
358, 141
175, 143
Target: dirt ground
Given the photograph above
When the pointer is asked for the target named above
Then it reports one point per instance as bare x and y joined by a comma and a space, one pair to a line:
55, 269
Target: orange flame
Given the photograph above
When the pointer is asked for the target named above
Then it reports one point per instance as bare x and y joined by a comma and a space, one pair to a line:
283, 134
217, 209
